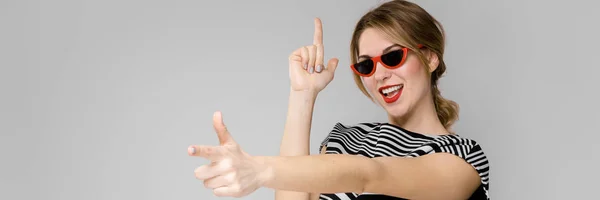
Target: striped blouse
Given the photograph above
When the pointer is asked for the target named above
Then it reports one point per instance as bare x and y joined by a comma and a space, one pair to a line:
385, 139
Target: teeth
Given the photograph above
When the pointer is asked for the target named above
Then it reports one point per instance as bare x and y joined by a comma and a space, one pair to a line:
390, 90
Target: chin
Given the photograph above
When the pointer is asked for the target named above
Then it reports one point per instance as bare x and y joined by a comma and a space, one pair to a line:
395, 110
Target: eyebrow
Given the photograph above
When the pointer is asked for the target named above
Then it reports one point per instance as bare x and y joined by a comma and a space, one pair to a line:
384, 51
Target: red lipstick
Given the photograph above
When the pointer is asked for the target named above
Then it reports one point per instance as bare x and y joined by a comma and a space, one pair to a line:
391, 93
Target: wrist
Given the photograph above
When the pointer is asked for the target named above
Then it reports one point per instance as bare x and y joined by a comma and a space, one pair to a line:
266, 173
305, 94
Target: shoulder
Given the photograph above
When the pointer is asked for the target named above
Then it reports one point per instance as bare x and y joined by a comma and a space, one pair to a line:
384, 134
458, 145
467, 149
453, 139
356, 129
463, 147
363, 127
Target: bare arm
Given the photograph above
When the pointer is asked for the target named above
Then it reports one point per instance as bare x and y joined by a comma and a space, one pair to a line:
308, 76
233, 172
413, 178
315, 196
296, 136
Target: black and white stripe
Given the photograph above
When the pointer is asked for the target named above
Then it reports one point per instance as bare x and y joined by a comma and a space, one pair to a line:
385, 139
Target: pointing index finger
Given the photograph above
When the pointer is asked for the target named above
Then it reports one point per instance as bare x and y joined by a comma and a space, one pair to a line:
213, 153
318, 37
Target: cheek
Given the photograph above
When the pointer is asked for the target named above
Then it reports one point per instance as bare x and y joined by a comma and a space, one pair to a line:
413, 74
370, 84
412, 70
415, 78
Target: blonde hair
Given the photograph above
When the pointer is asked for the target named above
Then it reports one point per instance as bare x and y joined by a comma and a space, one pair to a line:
408, 25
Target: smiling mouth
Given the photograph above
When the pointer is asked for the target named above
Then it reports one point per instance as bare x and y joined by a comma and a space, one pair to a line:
392, 93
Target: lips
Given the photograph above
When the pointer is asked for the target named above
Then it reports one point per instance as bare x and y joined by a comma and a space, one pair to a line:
391, 93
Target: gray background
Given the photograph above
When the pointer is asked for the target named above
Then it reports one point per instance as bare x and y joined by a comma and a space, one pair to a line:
100, 99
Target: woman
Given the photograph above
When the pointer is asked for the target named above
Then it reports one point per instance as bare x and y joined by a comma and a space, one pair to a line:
397, 52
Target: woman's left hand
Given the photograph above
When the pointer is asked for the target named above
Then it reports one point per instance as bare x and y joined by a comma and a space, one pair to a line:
232, 172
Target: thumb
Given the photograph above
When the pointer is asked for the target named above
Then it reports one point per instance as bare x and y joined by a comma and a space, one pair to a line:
332, 64
221, 129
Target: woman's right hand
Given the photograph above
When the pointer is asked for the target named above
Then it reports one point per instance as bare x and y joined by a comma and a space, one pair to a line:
307, 71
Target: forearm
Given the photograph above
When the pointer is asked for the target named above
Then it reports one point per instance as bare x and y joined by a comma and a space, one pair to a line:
411, 178
326, 173
296, 135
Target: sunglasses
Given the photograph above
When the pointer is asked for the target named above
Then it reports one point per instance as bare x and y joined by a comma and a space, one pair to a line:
390, 60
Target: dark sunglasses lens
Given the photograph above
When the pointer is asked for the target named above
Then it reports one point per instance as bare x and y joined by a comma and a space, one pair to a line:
364, 67
393, 58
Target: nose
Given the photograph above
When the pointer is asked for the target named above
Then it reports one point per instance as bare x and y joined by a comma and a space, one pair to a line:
381, 73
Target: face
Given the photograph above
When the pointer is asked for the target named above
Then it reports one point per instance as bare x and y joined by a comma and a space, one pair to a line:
399, 91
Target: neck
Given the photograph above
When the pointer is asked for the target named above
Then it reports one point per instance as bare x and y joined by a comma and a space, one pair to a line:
421, 119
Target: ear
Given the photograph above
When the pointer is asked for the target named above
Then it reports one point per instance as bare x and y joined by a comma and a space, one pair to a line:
434, 61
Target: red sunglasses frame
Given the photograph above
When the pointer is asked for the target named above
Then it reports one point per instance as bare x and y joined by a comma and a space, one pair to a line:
377, 59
